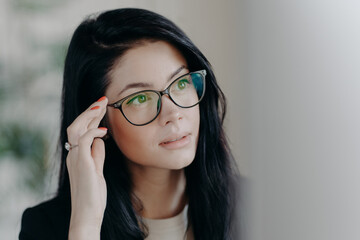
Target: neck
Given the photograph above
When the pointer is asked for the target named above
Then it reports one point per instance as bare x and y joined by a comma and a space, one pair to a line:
161, 191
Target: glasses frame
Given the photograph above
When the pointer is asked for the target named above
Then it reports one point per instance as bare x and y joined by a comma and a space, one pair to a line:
118, 104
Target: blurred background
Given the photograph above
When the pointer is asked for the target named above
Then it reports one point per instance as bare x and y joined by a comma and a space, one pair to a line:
290, 70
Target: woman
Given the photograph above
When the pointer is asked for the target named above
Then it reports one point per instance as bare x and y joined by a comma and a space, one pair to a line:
146, 156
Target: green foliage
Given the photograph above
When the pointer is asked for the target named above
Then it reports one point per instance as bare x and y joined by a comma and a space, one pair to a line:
27, 146
58, 53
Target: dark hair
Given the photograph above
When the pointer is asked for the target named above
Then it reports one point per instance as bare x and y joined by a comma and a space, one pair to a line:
96, 44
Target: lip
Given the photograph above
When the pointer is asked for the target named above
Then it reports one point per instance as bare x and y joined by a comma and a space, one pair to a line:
176, 141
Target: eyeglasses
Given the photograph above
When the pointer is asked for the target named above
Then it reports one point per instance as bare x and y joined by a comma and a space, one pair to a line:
143, 107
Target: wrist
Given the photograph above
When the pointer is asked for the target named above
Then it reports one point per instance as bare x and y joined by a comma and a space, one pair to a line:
84, 227
88, 232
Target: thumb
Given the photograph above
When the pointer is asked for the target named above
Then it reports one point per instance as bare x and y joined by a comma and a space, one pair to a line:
98, 154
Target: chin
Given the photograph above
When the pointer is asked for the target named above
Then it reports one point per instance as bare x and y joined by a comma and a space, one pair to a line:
178, 163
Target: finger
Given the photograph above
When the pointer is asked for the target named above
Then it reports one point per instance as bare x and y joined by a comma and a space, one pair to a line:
91, 112
80, 125
94, 123
84, 145
98, 154
87, 140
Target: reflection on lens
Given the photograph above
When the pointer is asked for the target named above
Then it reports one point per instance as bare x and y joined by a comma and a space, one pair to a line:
198, 81
187, 91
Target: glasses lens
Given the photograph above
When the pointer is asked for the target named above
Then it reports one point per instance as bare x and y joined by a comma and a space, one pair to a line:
188, 90
141, 108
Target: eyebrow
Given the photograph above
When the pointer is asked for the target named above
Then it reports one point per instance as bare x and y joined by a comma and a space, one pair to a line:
143, 85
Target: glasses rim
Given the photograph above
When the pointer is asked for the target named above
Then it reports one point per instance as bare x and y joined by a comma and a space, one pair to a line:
118, 104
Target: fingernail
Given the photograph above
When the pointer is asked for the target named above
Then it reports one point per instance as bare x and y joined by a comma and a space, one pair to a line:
103, 128
101, 99
96, 107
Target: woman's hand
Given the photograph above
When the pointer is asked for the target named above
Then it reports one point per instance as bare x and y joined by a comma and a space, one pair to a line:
85, 166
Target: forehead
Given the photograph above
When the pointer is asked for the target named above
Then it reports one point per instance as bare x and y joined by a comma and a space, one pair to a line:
150, 63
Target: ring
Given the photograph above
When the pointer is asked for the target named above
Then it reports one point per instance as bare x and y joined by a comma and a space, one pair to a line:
68, 146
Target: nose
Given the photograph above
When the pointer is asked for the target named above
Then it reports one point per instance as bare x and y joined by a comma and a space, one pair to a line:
170, 112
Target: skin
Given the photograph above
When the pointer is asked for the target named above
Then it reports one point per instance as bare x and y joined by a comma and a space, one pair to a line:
157, 172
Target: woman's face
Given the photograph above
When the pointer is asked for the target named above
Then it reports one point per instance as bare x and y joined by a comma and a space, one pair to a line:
155, 65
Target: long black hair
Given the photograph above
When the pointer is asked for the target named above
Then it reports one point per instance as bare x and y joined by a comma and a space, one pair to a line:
95, 46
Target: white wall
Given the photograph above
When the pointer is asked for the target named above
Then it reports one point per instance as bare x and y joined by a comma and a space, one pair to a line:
303, 78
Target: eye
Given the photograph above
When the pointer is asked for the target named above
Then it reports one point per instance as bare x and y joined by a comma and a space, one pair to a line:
181, 84
138, 99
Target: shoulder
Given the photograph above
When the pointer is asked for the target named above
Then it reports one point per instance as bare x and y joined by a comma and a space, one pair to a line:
47, 220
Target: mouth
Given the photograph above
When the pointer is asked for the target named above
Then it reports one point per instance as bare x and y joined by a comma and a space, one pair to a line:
175, 142
177, 139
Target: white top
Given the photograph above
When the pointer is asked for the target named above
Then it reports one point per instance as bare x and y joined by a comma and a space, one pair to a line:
173, 228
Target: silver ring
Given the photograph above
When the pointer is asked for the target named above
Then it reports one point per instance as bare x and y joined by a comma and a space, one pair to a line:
68, 146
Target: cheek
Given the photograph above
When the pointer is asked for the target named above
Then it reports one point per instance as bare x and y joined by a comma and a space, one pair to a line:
140, 144
129, 138
195, 124
195, 116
